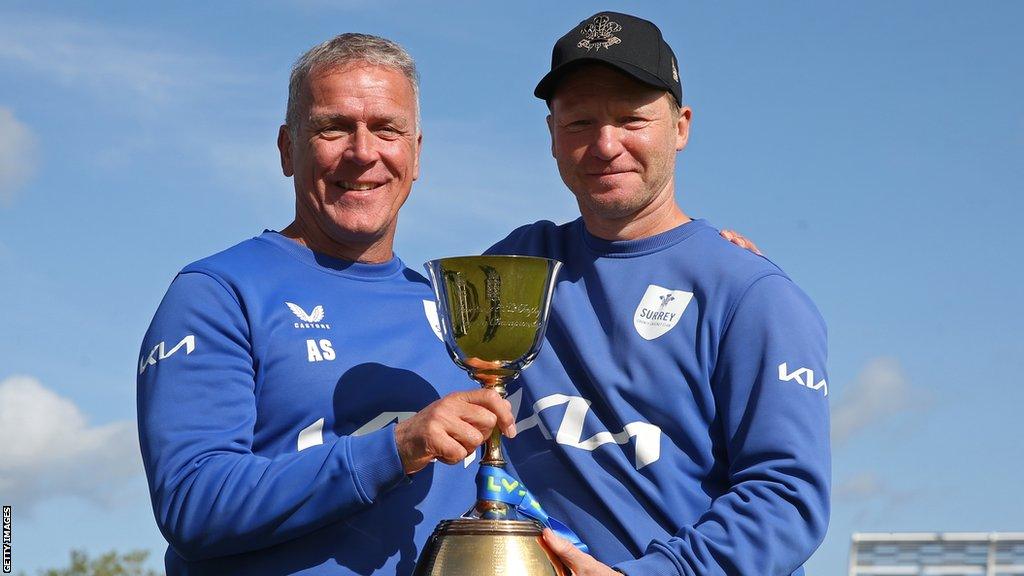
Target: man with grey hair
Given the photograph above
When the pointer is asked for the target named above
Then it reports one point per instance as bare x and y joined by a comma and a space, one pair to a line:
274, 372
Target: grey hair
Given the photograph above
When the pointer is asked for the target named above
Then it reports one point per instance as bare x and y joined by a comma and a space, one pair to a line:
345, 49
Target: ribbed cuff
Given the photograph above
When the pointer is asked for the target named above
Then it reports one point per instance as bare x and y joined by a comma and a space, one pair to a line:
376, 466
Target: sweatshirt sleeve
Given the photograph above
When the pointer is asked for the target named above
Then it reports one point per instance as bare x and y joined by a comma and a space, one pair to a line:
771, 394
212, 496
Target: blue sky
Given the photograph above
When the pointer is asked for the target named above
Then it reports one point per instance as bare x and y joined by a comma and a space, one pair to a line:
875, 150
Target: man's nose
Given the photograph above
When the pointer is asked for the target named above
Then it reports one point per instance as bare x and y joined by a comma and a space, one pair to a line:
607, 144
361, 149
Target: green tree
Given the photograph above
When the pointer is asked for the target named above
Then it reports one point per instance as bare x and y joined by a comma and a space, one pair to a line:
110, 564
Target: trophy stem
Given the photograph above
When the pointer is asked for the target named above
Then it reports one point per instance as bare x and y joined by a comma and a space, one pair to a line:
492, 451
492, 447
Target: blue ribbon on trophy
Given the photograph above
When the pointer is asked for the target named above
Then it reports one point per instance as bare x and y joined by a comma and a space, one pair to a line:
493, 483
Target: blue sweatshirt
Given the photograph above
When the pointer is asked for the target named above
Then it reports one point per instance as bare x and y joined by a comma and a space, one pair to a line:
677, 416
269, 383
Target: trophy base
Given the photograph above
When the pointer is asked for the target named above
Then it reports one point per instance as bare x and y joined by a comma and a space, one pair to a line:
477, 547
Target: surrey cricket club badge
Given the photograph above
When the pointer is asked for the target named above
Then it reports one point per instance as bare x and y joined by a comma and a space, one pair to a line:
430, 311
659, 311
600, 33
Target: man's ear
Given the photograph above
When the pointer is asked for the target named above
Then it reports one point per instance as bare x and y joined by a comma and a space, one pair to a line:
284, 146
416, 161
551, 131
683, 127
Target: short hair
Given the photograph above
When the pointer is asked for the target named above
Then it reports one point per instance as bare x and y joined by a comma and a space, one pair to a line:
345, 49
676, 108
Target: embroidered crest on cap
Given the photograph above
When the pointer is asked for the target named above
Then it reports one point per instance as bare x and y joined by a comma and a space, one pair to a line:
600, 33
675, 74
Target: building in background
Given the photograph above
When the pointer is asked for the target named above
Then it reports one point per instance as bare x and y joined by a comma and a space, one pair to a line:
937, 553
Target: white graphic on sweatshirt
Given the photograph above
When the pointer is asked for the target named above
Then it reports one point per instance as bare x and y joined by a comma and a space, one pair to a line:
803, 377
315, 316
382, 420
659, 311
160, 352
430, 311
313, 319
570, 430
312, 435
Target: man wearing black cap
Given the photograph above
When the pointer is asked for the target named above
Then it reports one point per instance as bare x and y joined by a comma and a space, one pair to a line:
677, 418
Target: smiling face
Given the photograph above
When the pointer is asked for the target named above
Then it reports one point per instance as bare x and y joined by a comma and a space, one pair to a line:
615, 142
354, 156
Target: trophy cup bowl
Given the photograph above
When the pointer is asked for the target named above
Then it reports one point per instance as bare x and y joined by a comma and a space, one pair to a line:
493, 312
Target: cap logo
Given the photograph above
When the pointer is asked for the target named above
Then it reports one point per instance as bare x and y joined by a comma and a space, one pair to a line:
675, 74
600, 33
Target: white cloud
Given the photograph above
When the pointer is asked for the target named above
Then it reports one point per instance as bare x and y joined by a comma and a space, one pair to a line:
880, 392
50, 450
17, 155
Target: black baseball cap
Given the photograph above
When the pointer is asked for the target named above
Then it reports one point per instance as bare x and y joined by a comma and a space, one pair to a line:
627, 43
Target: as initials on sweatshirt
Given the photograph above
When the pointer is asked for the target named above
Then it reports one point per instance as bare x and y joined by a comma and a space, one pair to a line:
320, 350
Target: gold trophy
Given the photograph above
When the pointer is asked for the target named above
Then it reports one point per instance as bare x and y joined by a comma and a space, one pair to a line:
493, 312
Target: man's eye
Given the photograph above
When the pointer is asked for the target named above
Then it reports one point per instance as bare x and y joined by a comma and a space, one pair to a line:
634, 122
578, 125
332, 132
388, 132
